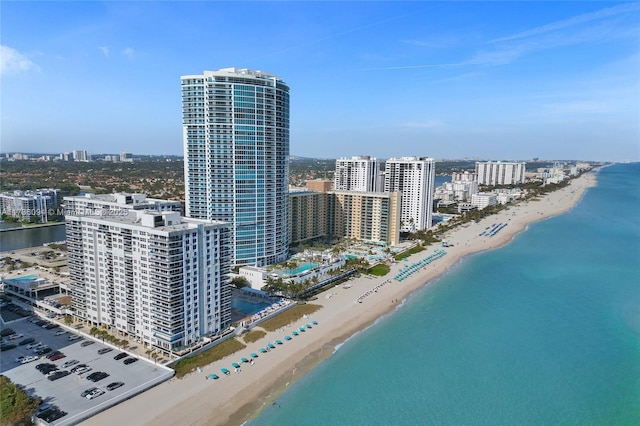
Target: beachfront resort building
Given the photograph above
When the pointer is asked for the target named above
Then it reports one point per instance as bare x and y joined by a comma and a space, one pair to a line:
235, 126
461, 188
365, 216
30, 206
152, 274
500, 172
414, 177
358, 173
482, 200
308, 215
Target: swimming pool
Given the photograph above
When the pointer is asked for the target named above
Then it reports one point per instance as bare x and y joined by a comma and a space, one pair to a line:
25, 277
248, 308
300, 269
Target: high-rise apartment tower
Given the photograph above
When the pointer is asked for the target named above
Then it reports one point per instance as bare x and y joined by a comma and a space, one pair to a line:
359, 173
415, 178
235, 126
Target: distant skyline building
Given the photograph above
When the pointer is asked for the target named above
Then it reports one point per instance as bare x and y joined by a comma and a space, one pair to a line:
152, 274
358, 173
500, 172
236, 154
81, 156
414, 177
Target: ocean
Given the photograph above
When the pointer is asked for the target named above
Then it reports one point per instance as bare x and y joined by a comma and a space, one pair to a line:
542, 331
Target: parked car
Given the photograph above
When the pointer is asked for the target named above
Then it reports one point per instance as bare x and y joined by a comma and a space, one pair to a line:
74, 337
61, 332
43, 351
44, 365
96, 393
87, 392
16, 336
51, 326
29, 359
78, 367
6, 347
70, 363
27, 341
57, 357
120, 356
87, 343
104, 351
52, 354
52, 415
33, 345
97, 376
130, 361
58, 375
114, 385
83, 370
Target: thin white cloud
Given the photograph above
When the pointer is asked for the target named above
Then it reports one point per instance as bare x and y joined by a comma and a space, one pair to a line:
129, 52
105, 50
428, 124
14, 62
575, 20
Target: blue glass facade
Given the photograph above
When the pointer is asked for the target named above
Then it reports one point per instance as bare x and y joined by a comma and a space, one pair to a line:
236, 143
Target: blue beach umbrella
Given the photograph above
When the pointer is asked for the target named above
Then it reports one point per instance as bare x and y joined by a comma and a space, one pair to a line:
295, 333
271, 345
263, 350
254, 355
224, 371
315, 322
278, 342
235, 365
213, 376
287, 337
244, 360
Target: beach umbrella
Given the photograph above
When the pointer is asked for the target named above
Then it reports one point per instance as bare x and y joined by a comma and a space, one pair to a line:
308, 325
235, 365
287, 337
213, 376
244, 360
225, 371
254, 355
301, 329
295, 333
271, 345
278, 342
315, 322
263, 350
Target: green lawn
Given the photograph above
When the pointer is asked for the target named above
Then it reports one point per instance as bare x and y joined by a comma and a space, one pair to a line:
416, 249
253, 335
289, 316
187, 365
379, 270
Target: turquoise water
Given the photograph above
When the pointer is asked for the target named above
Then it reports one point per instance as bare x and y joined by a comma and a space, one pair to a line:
300, 269
24, 278
543, 331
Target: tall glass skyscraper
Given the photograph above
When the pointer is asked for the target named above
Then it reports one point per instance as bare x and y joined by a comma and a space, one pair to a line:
235, 125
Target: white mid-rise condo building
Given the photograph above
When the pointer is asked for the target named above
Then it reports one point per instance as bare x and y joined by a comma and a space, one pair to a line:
500, 172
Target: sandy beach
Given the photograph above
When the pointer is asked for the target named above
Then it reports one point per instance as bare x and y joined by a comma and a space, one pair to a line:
233, 399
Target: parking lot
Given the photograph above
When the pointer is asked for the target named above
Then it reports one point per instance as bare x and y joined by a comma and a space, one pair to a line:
65, 392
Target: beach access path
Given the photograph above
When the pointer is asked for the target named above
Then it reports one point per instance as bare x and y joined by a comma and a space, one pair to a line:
235, 398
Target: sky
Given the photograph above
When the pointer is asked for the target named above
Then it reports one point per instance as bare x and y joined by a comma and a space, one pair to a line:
506, 80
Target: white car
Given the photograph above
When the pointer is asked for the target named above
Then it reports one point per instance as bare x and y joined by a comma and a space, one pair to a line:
74, 337
61, 332
34, 345
29, 359
82, 370
96, 393
20, 359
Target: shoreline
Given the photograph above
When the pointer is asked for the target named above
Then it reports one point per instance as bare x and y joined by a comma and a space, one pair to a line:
241, 397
